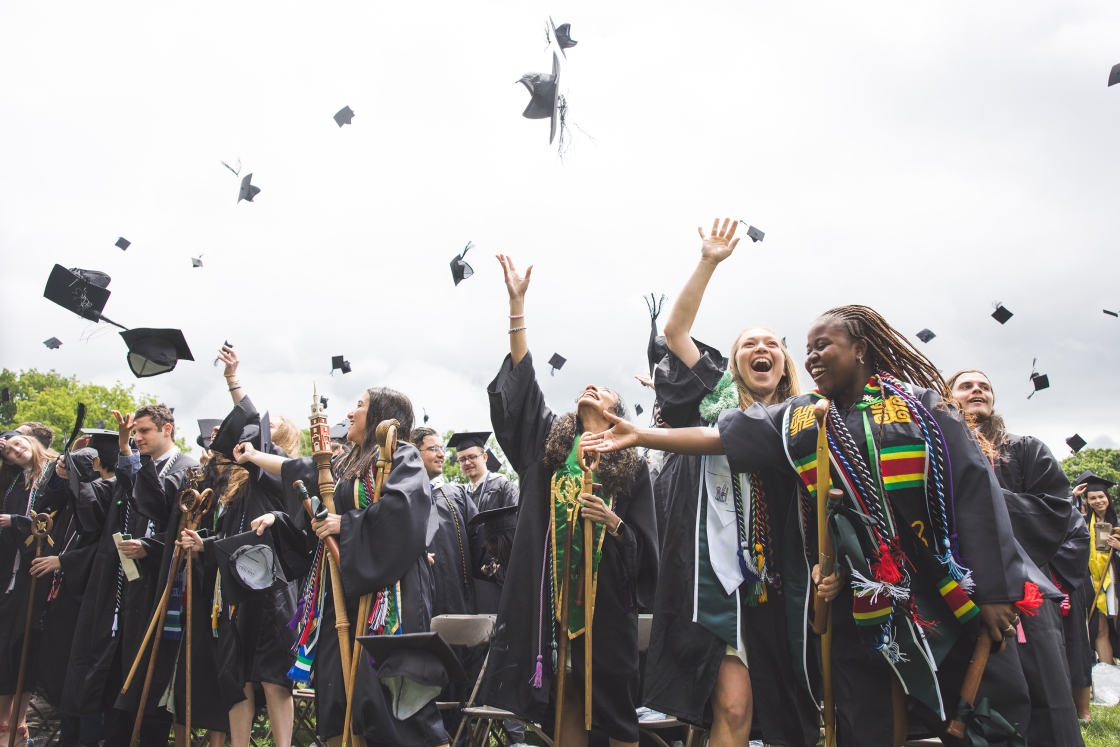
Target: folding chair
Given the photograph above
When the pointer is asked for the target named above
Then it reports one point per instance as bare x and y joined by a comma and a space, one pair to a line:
303, 702
645, 628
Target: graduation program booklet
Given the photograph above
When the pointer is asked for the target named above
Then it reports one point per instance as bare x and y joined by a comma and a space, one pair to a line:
131, 570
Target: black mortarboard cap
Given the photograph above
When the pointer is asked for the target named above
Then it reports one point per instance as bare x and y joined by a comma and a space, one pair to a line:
105, 442
81, 291
323, 400
1039, 382
460, 270
248, 191
926, 335
1088, 477
544, 90
1001, 314
425, 416
339, 431
638, 410
196, 261
754, 234
1111, 313
206, 430
54, 343
1076, 442
492, 462
79, 467
248, 565
338, 361
467, 439
1114, 75
123, 243
242, 424
414, 667
344, 116
155, 351
656, 348
557, 362
496, 520
563, 36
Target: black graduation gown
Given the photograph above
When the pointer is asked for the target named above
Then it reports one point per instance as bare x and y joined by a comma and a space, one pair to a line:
684, 656
98, 660
627, 575
1038, 496
753, 440
51, 498
494, 492
458, 552
380, 545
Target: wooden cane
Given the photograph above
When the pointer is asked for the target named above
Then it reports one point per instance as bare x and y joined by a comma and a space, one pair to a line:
562, 652
972, 678
590, 463
192, 507
41, 525
188, 610
386, 435
822, 612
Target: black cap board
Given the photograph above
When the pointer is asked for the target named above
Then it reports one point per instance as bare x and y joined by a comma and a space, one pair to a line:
425, 415
493, 464
242, 424
344, 116
82, 292
1111, 313
467, 439
54, 343
338, 432
248, 191
323, 401
638, 410
79, 468
755, 234
656, 348
563, 36
1114, 75
196, 261
248, 566
1076, 442
557, 362
1094, 481
1001, 314
1038, 381
206, 428
544, 90
496, 519
414, 667
106, 443
460, 270
155, 351
123, 243
926, 335
339, 362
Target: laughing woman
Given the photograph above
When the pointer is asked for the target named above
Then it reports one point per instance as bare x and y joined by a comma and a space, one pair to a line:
887, 426
544, 449
719, 651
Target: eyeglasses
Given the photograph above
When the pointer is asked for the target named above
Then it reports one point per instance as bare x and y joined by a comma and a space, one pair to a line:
433, 449
469, 457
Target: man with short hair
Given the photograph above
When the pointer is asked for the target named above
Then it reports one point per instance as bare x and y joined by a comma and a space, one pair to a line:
41, 432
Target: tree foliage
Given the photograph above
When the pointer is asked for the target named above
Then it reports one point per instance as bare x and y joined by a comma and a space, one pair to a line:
1102, 462
51, 398
452, 472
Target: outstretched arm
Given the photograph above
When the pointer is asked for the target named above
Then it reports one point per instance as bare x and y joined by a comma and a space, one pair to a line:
715, 247
227, 356
270, 463
516, 287
624, 434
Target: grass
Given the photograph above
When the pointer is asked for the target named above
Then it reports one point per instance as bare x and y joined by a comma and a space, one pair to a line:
1104, 729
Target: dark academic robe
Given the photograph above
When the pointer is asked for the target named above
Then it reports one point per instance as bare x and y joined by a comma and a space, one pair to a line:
627, 576
1039, 502
380, 546
458, 550
114, 611
684, 656
753, 439
15, 592
495, 491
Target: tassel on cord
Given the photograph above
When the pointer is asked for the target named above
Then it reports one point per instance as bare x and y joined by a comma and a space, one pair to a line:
863, 586
886, 568
538, 674
1031, 600
762, 598
293, 624
1021, 634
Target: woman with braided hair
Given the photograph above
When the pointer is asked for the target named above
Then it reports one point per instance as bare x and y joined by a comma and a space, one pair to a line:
923, 541
719, 655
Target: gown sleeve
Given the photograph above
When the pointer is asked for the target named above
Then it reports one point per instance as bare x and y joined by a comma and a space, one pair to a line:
518, 413
379, 543
1041, 509
637, 540
680, 389
752, 438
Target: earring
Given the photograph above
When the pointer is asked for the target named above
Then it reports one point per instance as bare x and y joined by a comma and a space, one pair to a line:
860, 360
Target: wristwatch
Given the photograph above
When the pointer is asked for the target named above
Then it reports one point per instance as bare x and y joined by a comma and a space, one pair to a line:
614, 532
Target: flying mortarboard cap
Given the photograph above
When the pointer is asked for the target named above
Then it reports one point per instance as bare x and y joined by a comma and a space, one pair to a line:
155, 351
425, 415
638, 410
196, 261
1111, 313
5, 395
344, 116
557, 362
323, 400
84, 292
1088, 477
54, 343
339, 431
926, 335
248, 565
544, 90
460, 270
467, 439
414, 667
338, 361
656, 348
1038, 381
123, 243
563, 36
248, 191
206, 428
754, 234
493, 464
1001, 314
1114, 75
1076, 442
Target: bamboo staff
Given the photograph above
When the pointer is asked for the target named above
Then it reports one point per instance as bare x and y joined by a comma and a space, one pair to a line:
822, 613
972, 679
590, 463
386, 435
192, 507
41, 525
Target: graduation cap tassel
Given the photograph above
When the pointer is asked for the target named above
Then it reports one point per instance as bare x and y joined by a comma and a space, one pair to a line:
565, 133
654, 305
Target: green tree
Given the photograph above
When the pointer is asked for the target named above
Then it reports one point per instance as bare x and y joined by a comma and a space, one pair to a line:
305, 448
1102, 462
51, 398
452, 472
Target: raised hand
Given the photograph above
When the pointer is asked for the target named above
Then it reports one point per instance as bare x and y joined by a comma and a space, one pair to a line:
244, 452
125, 424
644, 380
227, 356
720, 243
623, 435
516, 285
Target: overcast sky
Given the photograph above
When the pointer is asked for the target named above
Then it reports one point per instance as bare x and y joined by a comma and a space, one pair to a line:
925, 159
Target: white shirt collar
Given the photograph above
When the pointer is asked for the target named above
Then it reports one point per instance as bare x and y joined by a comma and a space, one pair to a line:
475, 484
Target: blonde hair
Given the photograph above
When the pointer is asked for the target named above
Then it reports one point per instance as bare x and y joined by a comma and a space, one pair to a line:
40, 455
788, 386
286, 435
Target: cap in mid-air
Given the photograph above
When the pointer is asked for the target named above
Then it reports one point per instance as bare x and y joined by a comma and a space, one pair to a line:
544, 90
338, 432
196, 261
638, 410
54, 343
493, 464
83, 292
557, 362
1114, 75
926, 335
754, 234
1111, 313
152, 352
563, 36
1076, 442
1038, 381
248, 191
1001, 314
123, 243
338, 362
344, 116
460, 270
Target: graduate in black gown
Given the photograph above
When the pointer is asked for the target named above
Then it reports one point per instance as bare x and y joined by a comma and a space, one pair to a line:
544, 449
1045, 522
720, 656
29, 485
383, 552
879, 615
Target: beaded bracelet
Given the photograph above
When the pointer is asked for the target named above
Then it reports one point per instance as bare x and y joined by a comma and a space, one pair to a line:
234, 388
517, 329
518, 316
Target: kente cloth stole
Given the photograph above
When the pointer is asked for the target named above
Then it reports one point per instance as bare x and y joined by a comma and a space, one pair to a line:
309, 615
567, 485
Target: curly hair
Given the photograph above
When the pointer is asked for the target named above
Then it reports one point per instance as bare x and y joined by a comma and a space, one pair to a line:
160, 414
617, 471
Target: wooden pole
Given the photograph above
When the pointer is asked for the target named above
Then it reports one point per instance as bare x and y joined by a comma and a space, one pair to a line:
589, 463
972, 679
562, 648
305, 499
41, 525
188, 610
822, 616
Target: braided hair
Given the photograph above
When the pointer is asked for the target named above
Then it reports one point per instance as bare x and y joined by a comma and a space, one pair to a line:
890, 350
